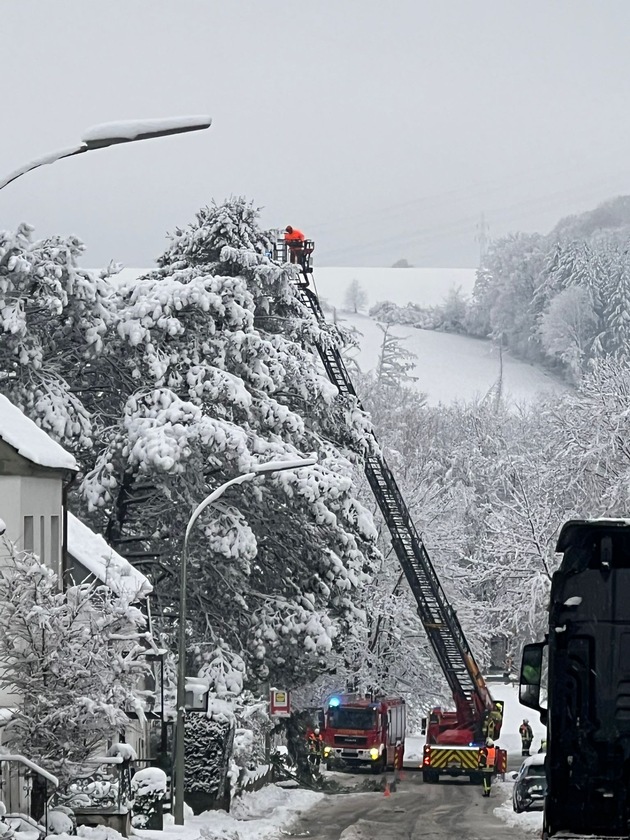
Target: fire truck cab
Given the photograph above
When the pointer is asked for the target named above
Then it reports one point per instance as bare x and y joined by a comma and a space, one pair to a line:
364, 730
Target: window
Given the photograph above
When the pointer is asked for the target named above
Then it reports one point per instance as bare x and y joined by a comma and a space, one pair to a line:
42, 539
54, 542
28, 533
345, 718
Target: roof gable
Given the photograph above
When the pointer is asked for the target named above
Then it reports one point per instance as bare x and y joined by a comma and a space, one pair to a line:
32, 443
104, 563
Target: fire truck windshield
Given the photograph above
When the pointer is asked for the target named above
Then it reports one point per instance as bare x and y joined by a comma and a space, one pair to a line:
344, 718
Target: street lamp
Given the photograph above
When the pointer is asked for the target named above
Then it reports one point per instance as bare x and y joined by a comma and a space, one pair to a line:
111, 134
255, 472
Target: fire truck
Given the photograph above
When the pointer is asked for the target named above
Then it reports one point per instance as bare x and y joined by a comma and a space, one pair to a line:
586, 661
466, 725
453, 750
364, 730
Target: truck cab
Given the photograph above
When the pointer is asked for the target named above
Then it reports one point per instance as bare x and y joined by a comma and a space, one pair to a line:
364, 730
587, 673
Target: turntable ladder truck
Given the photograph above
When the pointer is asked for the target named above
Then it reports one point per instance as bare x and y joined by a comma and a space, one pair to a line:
453, 738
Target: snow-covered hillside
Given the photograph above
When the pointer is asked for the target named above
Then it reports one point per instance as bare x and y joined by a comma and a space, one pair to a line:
426, 286
452, 367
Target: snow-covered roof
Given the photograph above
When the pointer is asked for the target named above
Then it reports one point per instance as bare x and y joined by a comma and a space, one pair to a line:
103, 562
30, 441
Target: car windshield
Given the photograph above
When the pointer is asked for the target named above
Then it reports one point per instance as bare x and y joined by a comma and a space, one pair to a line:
535, 770
340, 718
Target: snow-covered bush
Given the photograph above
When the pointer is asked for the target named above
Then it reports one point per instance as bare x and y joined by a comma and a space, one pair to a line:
73, 659
148, 788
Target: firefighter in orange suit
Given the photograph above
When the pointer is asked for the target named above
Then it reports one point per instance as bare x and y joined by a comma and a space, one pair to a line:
295, 240
487, 763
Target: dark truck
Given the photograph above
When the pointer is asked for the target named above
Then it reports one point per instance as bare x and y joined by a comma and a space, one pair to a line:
587, 669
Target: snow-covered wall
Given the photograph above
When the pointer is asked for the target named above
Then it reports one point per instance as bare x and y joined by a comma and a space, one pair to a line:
31, 507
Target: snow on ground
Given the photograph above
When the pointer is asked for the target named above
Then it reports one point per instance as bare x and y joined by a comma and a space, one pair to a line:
528, 821
266, 813
414, 745
425, 286
451, 367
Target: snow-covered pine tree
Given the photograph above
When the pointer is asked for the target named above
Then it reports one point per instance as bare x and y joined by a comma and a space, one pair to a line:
568, 328
215, 341
53, 317
617, 305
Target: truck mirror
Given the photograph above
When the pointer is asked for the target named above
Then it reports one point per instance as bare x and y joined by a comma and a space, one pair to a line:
423, 726
531, 675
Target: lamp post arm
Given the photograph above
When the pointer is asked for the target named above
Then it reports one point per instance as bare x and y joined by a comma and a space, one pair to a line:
110, 134
51, 157
240, 479
180, 755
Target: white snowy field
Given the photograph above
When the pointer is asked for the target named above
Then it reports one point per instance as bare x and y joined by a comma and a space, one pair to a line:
452, 367
425, 286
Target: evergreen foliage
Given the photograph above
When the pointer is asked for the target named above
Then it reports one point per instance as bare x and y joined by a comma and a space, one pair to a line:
197, 371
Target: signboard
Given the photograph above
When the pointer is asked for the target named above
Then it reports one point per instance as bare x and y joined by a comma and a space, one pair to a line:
279, 703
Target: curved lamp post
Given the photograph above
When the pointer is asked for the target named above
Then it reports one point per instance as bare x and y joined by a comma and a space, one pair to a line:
111, 134
256, 471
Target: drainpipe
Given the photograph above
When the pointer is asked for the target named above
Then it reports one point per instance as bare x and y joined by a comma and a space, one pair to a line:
67, 484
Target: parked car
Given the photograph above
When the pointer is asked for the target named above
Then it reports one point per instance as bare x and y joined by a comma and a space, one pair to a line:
530, 784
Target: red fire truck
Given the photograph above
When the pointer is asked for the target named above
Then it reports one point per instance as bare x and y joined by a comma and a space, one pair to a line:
454, 741
364, 730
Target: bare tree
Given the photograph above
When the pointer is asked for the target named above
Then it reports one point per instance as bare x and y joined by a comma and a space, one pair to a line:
356, 297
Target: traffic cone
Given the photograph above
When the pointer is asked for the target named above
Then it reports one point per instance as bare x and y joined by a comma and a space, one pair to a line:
387, 790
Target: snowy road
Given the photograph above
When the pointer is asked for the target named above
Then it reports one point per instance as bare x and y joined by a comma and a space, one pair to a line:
450, 810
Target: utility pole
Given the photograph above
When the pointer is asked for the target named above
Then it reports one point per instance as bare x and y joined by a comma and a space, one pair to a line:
483, 229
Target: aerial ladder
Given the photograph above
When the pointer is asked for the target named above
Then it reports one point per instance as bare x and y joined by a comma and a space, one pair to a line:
473, 700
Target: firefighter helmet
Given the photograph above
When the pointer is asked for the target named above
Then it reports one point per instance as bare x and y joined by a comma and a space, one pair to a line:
489, 742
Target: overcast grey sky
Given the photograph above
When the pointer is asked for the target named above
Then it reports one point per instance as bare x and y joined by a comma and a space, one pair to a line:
382, 130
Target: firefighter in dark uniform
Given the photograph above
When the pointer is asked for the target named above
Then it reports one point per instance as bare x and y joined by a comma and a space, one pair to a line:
314, 741
527, 736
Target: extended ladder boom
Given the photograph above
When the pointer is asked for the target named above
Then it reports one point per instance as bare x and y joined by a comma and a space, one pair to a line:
440, 622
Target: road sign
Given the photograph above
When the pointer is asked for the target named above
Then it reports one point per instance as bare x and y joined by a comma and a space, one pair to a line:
279, 703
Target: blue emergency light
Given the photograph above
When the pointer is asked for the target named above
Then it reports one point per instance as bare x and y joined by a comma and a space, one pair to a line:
334, 701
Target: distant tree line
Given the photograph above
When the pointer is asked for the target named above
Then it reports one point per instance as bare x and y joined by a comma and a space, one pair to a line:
560, 300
